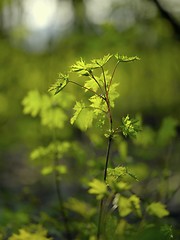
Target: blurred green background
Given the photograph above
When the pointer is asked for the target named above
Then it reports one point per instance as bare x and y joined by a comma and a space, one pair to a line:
40, 38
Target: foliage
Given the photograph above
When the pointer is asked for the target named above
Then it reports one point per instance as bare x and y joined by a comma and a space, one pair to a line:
33, 232
122, 212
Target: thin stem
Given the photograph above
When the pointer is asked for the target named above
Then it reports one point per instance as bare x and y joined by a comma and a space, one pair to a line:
97, 82
60, 199
104, 78
112, 76
88, 89
106, 165
105, 177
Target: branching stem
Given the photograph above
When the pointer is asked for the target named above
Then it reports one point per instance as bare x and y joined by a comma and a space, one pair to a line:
88, 89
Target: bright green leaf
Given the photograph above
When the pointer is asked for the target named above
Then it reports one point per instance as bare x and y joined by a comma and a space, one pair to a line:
100, 62
60, 83
82, 116
130, 126
98, 188
157, 209
125, 58
32, 103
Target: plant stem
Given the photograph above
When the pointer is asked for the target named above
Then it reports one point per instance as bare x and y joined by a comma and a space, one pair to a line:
88, 89
106, 164
105, 176
60, 199
112, 76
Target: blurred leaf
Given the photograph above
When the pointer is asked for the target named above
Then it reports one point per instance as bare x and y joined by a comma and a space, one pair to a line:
129, 205
35, 233
32, 103
157, 209
167, 131
98, 188
80, 207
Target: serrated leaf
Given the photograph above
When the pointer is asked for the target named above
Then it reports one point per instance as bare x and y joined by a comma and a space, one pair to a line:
123, 58
91, 84
60, 83
113, 174
77, 108
82, 68
98, 104
98, 188
82, 116
130, 126
157, 209
100, 62
113, 93
32, 103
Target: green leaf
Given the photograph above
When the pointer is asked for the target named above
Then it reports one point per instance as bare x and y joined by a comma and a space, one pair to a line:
77, 108
129, 205
157, 209
49, 152
35, 232
124, 206
98, 188
130, 126
167, 131
98, 104
124, 58
114, 174
91, 84
100, 62
47, 170
60, 83
32, 103
82, 116
82, 68
113, 94
53, 118
80, 207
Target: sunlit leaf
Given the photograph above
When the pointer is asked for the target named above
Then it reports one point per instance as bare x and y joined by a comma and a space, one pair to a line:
35, 232
123, 58
98, 104
130, 126
100, 62
157, 209
32, 103
82, 68
98, 188
60, 83
129, 205
113, 93
82, 116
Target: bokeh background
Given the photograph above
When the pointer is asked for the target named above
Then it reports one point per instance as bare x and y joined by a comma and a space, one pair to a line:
40, 38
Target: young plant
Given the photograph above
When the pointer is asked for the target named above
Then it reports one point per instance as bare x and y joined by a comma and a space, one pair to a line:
121, 214
104, 92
